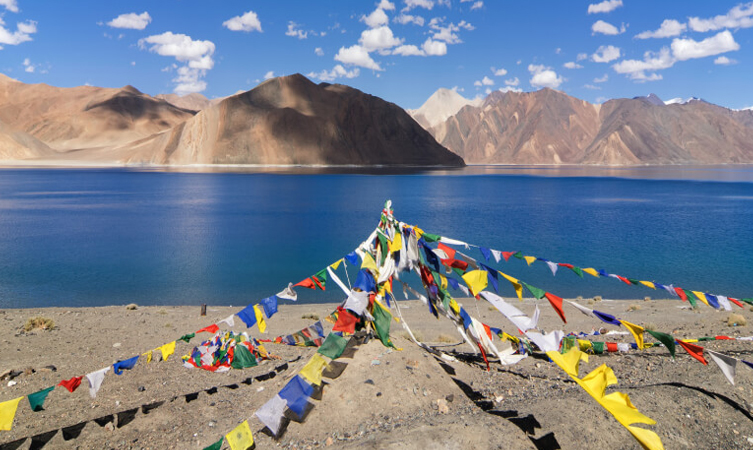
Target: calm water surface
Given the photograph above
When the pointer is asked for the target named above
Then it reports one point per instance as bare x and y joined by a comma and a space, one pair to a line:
98, 237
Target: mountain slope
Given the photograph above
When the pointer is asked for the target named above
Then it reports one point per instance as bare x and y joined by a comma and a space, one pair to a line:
17, 145
442, 104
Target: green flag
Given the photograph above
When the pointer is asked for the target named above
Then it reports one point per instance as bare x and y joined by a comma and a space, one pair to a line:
665, 339
748, 300
187, 337
598, 347
568, 342
634, 281
36, 400
333, 346
322, 277
428, 237
382, 320
578, 271
216, 446
538, 293
242, 358
518, 255
691, 297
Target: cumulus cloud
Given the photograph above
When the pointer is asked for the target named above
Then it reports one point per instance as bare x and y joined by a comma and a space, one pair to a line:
572, 65
269, 75
605, 54
512, 81
376, 19
408, 50
404, 19
601, 79
28, 66
476, 5
604, 7
581, 56
195, 54
606, 28
449, 32
10, 5
591, 86
486, 81
386, 5
426, 4
741, 16
668, 28
724, 61
499, 72
247, 22
131, 21
337, 72
23, 32
318, 51
378, 39
357, 56
434, 48
510, 89
652, 61
294, 31
544, 77
684, 49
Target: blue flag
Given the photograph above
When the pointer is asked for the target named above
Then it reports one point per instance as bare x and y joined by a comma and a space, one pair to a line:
365, 281
247, 315
352, 258
127, 364
270, 306
454, 283
466, 318
712, 301
608, 318
296, 394
486, 252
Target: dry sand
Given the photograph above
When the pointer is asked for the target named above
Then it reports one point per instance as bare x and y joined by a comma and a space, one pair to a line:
383, 399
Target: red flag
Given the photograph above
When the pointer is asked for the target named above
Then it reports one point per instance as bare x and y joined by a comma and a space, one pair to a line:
556, 303
488, 330
483, 353
450, 251
723, 338
696, 351
71, 384
210, 329
569, 266
307, 283
318, 283
624, 280
507, 255
345, 321
611, 347
462, 265
736, 302
681, 293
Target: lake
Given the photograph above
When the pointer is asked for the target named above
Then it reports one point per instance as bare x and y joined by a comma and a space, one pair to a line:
89, 237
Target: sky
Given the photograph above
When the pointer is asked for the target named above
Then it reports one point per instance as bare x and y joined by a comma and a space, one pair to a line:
401, 51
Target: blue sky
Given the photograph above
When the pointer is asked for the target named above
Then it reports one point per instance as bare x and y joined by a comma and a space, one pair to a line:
401, 51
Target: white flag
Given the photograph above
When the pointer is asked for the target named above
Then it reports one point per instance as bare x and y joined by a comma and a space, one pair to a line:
270, 414
95, 380
726, 363
229, 320
553, 267
288, 293
497, 255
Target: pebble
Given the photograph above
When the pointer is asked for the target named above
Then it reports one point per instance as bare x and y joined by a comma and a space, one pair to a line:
328, 442
116, 345
442, 406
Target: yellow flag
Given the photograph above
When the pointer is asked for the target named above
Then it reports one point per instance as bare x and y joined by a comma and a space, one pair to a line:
336, 264
591, 271
8, 413
477, 280
167, 350
701, 296
515, 283
148, 356
444, 281
397, 243
260, 319
454, 306
368, 262
509, 337
585, 345
240, 438
636, 331
569, 361
530, 259
312, 371
649, 284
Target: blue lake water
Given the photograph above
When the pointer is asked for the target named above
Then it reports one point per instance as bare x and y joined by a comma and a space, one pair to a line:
89, 237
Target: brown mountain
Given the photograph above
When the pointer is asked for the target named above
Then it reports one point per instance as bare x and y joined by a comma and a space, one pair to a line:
290, 120
15, 145
85, 116
192, 102
550, 127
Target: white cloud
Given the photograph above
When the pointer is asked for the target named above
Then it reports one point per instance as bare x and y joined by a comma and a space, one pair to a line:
477, 5
10, 5
684, 49
405, 19
724, 61
510, 89
499, 72
408, 50
131, 21
581, 56
668, 28
318, 51
28, 66
378, 39
605, 54
247, 22
601, 79
357, 56
196, 54
591, 86
23, 32
604, 7
410, 4
294, 31
269, 75
448, 33
133, 63
486, 81
572, 65
376, 18
741, 16
457, 89
652, 61
544, 77
434, 48
512, 81
337, 72
606, 28
386, 5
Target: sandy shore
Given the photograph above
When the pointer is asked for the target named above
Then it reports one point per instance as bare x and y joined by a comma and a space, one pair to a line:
383, 399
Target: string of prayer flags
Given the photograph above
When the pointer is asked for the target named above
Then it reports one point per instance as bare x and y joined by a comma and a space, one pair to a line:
665, 339
95, 380
636, 331
210, 329
616, 403
696, 351
8, 413
36, 400
71, 384
241, 437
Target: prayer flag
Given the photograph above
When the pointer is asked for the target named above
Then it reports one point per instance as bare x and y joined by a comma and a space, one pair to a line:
120, 366
713, 301
148, 356
365, 281
321, 278
636, 331
216, 446
382, 321
240, 438
486, 252
538, 293
187, 337
167, 350
36, 400
210, 329
608, 318
357, 301
71, 384
270, 306
260, 319
529, 259
95, 380
515, 284
556, 303
691, 297
450, 252
476, 280
312, 371
368, 262
553, 267
247, 315
333, 346
591, 271
701, 296
497, 255
345, 321
242, 357
428, 237
507, 255
229, 321
724, 302
396, 244
336, 264
665, 339
307, 283
288, 293
696, 351
271, 413
735, 302
296, 394
726, 364
648, 284
352, 258
8, 413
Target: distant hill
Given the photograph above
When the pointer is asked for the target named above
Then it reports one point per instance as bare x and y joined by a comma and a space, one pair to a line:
194, 102
290, 120
442, 104
550, 127
15, 145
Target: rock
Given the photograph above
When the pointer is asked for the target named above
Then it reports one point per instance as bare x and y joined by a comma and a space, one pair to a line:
450, 398
116, 345
369, 381
442, 406
109, 426
142, 388
132, 307
328, 442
